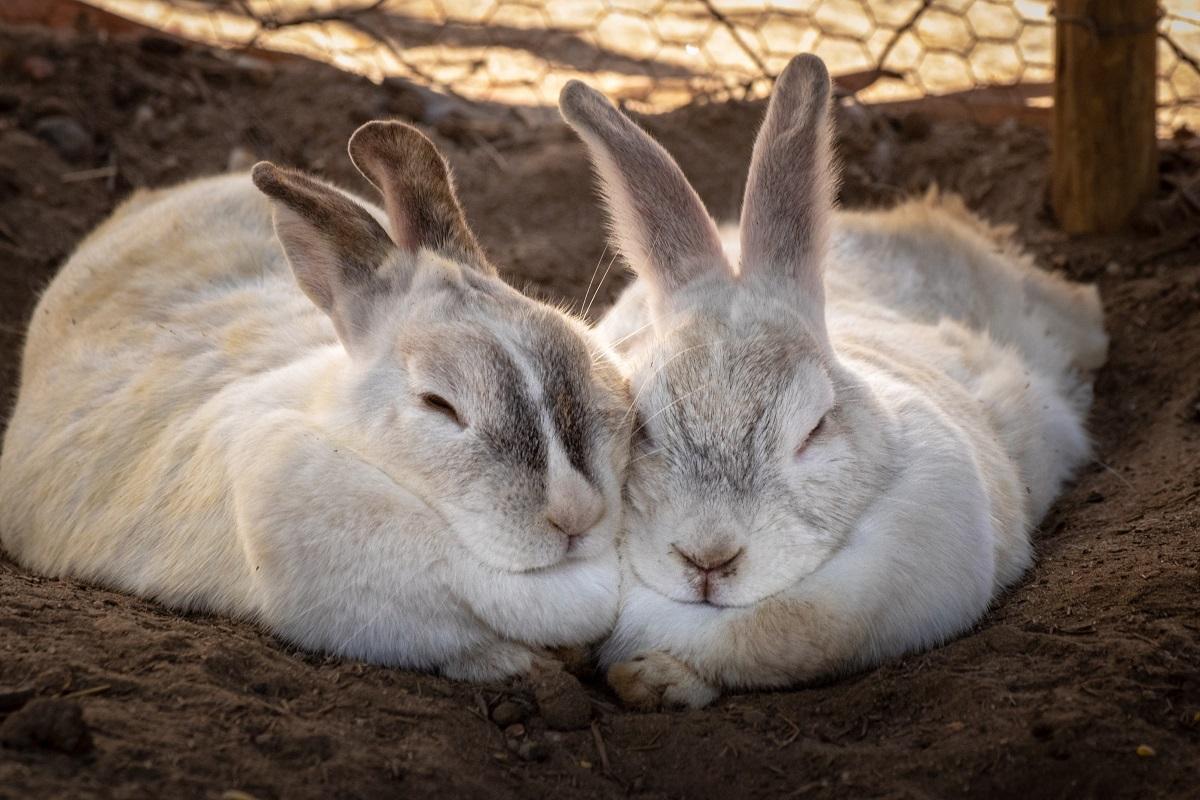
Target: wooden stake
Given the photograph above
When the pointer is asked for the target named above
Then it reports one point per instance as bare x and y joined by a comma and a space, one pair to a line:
1105, 150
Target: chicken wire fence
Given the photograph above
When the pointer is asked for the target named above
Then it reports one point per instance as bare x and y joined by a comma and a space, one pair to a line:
659, 54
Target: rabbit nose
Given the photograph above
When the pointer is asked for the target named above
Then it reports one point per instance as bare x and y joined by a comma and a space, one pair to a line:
573, 506
709, 560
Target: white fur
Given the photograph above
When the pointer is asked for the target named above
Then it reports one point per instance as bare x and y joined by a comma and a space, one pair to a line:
190, 429
957, 376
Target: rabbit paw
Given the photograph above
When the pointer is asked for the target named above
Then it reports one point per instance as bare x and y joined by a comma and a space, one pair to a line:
494, 662
654, 680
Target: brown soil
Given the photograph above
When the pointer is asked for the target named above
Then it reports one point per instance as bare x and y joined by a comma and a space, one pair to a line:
1095, 655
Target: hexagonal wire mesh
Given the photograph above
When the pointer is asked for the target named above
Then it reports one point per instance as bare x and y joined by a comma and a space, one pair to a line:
658, 54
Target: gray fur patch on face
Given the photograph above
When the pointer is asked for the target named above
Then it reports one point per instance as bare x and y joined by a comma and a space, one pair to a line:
511, 386
488, 386
515, 438
709, 440
562, 364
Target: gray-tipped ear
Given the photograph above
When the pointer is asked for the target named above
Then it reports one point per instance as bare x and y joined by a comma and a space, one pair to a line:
336, 248
658, 221
417, 190
790, 190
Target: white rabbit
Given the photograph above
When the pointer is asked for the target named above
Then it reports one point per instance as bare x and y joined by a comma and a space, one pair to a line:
844, 441
413, 464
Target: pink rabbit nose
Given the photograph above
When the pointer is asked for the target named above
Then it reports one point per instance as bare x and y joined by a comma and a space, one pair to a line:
573, 506
709, 560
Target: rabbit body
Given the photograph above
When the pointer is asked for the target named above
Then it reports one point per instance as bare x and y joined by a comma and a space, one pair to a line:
936, 381
190, 428
982, 363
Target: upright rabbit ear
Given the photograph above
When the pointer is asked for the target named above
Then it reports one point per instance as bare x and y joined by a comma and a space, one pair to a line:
789, 194
658, 221
417, 190
343, 259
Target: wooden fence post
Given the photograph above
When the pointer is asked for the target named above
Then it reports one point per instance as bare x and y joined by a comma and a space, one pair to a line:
1105, 159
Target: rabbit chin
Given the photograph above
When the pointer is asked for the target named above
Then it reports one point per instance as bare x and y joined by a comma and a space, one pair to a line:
510, 545
755, 576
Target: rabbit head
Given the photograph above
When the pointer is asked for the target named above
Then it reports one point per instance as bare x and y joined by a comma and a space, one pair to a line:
754, 449
498, 411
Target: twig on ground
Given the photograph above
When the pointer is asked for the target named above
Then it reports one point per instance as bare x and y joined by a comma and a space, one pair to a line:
104, 687
601, 749
89, 174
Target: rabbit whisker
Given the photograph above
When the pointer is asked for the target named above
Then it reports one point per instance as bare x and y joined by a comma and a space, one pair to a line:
651, 454
618, 342
595, 271
646, 384
600, 284
672, 404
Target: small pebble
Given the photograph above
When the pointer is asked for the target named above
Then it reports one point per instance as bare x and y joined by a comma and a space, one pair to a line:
66, 136
1146, 751
47, 722
515, 731
507, 713
562, 701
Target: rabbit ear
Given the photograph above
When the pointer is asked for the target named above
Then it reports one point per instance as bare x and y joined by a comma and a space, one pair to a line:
336, 248
659, 223
417, 190
789, 193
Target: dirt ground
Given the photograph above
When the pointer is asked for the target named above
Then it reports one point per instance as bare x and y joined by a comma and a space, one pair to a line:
1083, 682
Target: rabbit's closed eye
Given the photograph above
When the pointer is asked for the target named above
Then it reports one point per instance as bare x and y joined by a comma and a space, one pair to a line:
816, 431
439, 404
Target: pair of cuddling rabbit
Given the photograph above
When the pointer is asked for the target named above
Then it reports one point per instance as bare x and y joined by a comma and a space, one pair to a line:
819, 446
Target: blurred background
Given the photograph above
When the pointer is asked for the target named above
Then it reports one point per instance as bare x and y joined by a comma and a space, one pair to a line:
661, 54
